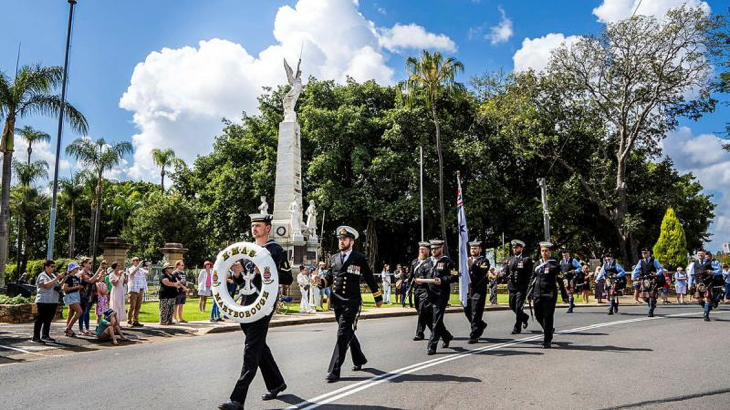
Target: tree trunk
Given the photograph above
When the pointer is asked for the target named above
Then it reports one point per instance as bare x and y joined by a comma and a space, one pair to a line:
71, 232
442, 212
92, 225
162, 180
621, 210
372, 242
97, 216
19, 253
5, 213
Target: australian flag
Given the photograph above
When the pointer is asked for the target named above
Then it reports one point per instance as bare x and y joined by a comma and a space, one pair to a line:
464, 279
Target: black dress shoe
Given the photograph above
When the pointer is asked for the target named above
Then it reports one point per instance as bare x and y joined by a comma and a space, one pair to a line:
357, 368
446, 342
610, 312
417, 338
546, 345
231, 405
707, 318
431, 352
48, 339
524, 325
331, 377
473, 341
271, 395
516, 331
38, 341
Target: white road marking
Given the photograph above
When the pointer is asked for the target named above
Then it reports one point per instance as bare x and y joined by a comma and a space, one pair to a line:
382, 378
20, 350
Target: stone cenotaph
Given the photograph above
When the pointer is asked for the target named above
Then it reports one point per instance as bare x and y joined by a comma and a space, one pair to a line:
288, 228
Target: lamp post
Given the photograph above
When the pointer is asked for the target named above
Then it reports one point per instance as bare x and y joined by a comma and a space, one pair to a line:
52, 224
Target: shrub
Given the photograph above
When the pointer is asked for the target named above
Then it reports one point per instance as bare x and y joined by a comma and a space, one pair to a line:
17, 300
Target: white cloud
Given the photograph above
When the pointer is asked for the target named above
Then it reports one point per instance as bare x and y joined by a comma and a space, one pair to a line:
42, 151
413, 36
704, 156
611, 11
535, 53
502, 31
178, 96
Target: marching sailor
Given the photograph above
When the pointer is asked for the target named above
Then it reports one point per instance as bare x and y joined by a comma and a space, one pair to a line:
570, 268
518, 272
348, 266
614, 275
650, 273
543, 291
421, 268
477, 296
256, 354
439, 290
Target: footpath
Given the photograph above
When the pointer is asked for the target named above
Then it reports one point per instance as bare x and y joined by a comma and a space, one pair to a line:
16, 347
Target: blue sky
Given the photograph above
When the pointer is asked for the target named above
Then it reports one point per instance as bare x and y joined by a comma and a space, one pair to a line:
217, 55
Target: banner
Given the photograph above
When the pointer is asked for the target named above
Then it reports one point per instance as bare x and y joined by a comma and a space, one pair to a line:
464, 279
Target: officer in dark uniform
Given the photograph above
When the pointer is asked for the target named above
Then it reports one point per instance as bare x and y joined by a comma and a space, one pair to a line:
518, 273
256, 354
477, 296
543, 291
421, 268
439, 290
347, 268
570, 268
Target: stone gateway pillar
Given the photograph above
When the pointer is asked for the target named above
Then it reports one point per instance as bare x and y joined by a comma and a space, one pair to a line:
115, 250
172, 252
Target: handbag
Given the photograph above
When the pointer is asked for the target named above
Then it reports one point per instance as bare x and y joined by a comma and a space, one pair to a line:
399, 284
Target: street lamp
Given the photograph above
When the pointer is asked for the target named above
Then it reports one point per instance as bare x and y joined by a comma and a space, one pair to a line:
52, 224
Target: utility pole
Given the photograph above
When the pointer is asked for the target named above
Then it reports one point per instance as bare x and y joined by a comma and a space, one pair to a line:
421, 183
52, 224
545, 212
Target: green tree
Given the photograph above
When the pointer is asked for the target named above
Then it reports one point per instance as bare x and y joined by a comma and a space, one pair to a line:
99, 157
32, 136
671, 248
71, 191
429, 78
29, 93
164, 158
23, 203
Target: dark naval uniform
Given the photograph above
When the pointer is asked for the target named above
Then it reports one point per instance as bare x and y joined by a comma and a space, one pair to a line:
421, 269
256, 353
344, 277
477, 296
543, 291
438, 298
518, 272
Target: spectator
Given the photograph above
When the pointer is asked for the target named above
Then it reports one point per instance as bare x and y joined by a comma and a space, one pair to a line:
398, 282
726, 276
665, 287
23, 279
304, 286
408, 280
325, 293
587, 283
168, 293
493, 286
205, 284
680, 285
182, 293
116, 297
46, 300
72, 298
109, 327
599, 286
137, 275
87, 293
102, 293
314, 295
691, 268
387, 282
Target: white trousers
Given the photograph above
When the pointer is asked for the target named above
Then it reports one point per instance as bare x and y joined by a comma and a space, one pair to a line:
304, 304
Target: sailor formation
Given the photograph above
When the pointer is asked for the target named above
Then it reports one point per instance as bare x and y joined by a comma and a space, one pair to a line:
432, 273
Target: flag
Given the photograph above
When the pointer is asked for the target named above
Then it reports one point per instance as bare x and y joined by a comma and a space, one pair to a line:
464, 279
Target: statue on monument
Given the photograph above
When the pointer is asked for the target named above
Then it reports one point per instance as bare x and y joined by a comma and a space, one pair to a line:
312, 220
290, 99
264, 207
296, 219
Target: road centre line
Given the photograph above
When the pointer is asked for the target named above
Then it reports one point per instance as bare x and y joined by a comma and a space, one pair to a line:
382, 378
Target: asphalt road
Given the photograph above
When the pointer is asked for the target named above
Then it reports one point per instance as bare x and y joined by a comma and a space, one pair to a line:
674, 360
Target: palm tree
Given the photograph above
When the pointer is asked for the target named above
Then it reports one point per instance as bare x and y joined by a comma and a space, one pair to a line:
163, 159
71, 189
27, 203
430, 78
31, 136
29, 93
99, 157
27, 173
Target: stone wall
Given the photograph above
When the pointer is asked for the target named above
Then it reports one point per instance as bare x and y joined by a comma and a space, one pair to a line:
24, 313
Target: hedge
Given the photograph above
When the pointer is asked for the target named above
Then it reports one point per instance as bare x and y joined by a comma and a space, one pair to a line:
34, 268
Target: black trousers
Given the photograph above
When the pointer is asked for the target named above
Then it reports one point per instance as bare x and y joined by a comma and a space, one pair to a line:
439, 331
256, 354
545, 314
474, 310
345, 316
517, 303
43, 319
424, 314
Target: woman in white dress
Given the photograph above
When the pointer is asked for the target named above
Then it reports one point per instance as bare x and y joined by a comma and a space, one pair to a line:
303, 282
680, 285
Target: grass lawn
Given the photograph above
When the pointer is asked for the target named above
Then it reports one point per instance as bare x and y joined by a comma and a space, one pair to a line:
150, 311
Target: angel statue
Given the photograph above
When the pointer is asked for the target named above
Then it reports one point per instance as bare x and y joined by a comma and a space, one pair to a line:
312, 219
264, 207
290, 99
